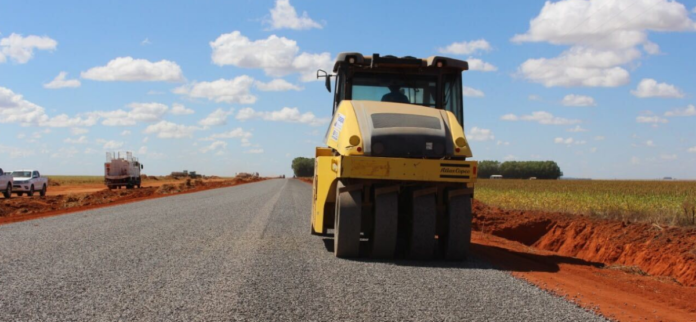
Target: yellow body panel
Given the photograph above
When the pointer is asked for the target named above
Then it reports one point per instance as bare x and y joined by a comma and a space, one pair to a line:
402, 169
324, 187
343, 126
342, 160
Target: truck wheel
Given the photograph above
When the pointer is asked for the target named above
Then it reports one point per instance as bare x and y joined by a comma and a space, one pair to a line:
19, 194
422, 240
457, 238
383, 241
31, 191
130, 186
8, 192
347, 221
43, 191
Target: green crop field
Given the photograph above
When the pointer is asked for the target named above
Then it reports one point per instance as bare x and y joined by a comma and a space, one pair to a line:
662, 202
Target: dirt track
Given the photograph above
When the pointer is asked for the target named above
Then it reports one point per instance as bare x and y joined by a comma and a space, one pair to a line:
71, 198
625, 271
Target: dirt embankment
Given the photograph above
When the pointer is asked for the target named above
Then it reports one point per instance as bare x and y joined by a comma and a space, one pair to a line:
641, 248
76, 199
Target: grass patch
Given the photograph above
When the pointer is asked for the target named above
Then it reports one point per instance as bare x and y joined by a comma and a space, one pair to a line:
663, 202
76, 180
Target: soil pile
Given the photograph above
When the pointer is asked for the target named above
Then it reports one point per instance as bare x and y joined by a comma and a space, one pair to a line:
18, 209
644, 248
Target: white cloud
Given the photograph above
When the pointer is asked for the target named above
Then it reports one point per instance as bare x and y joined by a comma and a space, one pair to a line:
576, 129
237, 133
284, 16
15, 152
569, 141
691, 150
603, 35
480, 65
635, 160
651, 119
616, 24
650, 143
217, 117
78, 131
534, 98
169, 130
179, 109
668, 156
217, 145
578, 100
466, 47
472, 92
478, 134
112, 145
599, 138
235, 90
277, 85
510, 157
21, 49
142, 150
502, 143
80, 140
128, 69
563, 141
649, 87
286, 114
540, 117
145, 139
277, 56
61, 82
15, 109
254, 151
687, 111
580, 66
125, 133
139, 112
146, 42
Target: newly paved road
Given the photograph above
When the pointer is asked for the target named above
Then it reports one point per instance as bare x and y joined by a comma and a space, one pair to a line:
241, 253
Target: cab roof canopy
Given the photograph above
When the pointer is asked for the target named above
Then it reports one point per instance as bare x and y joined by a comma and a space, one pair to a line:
392, 61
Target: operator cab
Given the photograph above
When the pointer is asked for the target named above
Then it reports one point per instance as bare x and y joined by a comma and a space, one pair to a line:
434, 82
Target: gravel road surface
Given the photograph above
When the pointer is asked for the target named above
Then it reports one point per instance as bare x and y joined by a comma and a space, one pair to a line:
237, 254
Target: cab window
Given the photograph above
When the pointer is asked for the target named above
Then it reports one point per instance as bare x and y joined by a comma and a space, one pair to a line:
452, 96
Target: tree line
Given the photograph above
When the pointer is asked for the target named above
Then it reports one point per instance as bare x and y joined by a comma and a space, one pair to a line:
520, 169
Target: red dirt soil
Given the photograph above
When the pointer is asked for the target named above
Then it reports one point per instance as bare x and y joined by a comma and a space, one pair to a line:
624, 271
648, 249
27, 208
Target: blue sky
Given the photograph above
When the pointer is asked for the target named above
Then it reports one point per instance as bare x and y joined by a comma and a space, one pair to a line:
605, 88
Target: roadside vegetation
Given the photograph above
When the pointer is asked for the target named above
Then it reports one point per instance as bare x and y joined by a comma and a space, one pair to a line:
520, 169
671, 203
303, 167
74, 180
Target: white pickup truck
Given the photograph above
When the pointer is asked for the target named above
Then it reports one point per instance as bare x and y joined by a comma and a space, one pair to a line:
6, 184
29, 181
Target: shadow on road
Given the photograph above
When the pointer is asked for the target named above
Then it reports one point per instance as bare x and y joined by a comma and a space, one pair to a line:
499, 258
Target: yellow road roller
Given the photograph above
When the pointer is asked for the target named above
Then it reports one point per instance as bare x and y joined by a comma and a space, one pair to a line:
394, 179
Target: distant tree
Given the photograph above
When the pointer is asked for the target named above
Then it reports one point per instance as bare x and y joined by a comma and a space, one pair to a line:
303, 167
488, 168
528, 169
